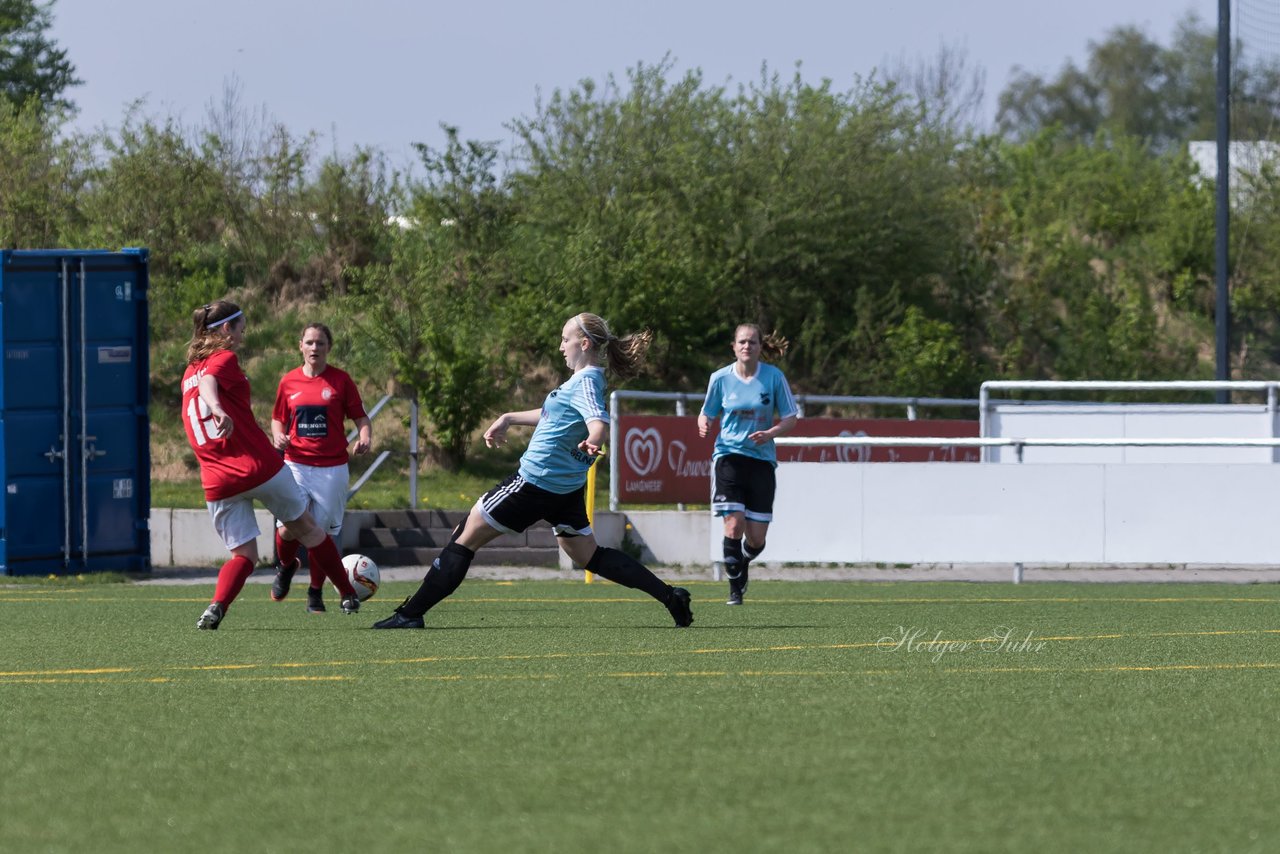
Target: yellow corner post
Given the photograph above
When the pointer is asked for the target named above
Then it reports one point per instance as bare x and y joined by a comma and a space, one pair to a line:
588, 575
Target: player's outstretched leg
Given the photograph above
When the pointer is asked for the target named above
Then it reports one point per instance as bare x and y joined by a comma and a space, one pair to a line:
620, 568
446, 573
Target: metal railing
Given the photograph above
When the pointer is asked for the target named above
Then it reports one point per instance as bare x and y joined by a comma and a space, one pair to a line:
381, 458
1271, 388
1019, 444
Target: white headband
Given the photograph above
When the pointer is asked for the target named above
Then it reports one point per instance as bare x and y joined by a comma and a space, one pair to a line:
590, 337
226, 319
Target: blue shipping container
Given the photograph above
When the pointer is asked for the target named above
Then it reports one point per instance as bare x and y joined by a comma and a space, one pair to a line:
74, 431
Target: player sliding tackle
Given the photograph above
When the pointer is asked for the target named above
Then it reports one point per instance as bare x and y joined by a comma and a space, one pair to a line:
550, 484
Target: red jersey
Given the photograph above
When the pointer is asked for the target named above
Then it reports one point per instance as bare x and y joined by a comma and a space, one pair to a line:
313, 411
241, 461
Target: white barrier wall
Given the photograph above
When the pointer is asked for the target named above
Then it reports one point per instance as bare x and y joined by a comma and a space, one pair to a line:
1055, 513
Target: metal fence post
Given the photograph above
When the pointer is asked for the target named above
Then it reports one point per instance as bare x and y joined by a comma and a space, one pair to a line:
413, 451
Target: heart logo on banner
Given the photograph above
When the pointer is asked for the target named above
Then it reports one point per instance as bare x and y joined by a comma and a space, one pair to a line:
853, 453
643, 450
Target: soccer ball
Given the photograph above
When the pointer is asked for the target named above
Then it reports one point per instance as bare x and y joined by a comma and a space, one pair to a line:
363, 575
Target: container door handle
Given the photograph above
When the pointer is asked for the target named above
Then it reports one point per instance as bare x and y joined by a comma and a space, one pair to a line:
91, 452
53, 454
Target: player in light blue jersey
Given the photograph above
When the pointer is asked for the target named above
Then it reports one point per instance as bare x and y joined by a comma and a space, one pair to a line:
550, 484
745, 395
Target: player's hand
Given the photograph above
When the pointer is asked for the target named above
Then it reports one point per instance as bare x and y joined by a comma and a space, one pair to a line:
589, 449
760, 437
496, 435
281, 442
363, 445
222, 423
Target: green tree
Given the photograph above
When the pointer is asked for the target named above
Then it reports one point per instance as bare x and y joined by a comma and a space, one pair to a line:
927, 354
424, 326
41, 175
152, 187
1079, 247
1131, 85
678, 206
32, 66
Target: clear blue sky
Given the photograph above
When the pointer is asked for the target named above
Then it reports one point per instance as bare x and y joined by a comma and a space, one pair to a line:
386, 73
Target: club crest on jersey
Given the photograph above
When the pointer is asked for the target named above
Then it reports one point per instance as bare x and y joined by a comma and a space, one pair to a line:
764, 398
327, 393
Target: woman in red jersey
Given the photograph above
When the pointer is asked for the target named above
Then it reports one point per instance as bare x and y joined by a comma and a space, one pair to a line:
313, 403
238, 462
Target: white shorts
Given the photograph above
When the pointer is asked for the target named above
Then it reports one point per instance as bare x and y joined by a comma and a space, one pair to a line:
326, 490
233, 517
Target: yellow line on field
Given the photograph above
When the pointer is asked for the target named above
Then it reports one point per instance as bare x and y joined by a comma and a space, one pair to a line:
698, 674
69, 672
922, 645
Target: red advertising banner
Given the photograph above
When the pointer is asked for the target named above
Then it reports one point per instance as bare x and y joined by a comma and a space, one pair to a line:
662, 460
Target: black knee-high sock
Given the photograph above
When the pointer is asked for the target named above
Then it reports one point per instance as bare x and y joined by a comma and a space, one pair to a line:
750, 552
620, 568
444, 576
733, 557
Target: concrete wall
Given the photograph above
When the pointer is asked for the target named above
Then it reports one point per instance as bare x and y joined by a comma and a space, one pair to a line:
927, 513
187, 538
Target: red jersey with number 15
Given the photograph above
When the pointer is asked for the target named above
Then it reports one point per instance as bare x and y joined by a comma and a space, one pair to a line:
246, 458
313, 411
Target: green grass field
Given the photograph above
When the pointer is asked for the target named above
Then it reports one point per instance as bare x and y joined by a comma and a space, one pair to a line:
558, 716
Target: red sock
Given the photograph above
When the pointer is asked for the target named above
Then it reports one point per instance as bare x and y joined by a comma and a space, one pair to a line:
325, 556
317, 574
286, 550
231, 578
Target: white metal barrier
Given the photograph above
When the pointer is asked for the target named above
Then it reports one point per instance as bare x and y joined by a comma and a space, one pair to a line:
1006, 417
1019, 443
1046, 513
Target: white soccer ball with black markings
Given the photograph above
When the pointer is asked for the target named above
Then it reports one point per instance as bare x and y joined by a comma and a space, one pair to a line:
363, 575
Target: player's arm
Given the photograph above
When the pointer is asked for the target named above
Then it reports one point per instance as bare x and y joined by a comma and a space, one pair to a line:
279, 437
710, 409
496, 435
780, 429
354, 409
597, 432
281, 417
364, 441
209, 395
786, 403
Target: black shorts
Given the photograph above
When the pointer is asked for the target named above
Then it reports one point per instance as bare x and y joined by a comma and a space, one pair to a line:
515, 504
744, 485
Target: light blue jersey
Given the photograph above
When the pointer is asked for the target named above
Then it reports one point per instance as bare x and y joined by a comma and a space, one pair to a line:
552, 461
745, 406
